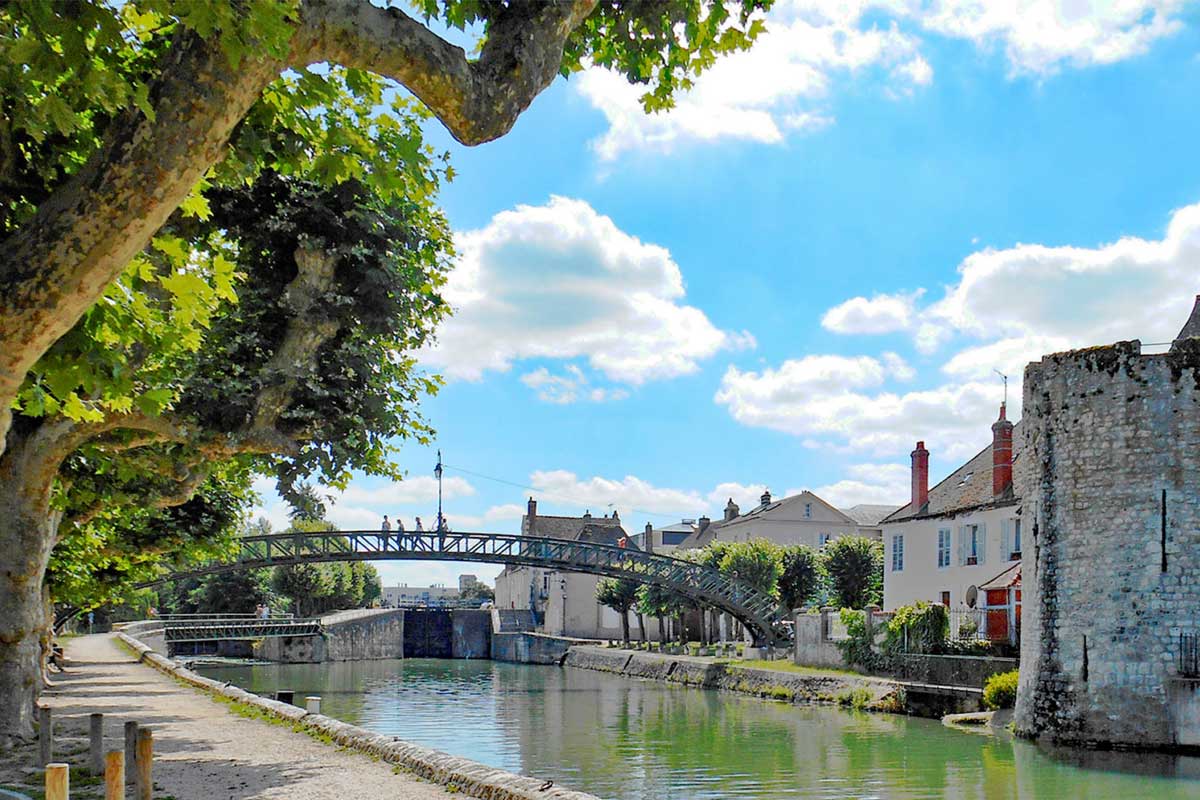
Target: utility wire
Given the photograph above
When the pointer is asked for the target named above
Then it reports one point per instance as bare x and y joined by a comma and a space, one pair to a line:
541, 491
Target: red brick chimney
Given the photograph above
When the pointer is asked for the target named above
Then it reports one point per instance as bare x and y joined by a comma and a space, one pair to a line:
1002, 448
920, 478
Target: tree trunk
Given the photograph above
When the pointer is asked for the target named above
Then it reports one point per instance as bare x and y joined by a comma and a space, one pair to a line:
662, 630
27, 528
625, 626
641, 627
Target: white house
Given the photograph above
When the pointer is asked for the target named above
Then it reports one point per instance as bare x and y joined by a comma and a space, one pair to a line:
800, 519
668, 538
962, 533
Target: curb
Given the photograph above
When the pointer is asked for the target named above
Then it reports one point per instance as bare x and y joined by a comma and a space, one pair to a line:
466, 776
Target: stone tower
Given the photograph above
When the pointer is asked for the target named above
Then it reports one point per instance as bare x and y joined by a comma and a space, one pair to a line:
1110, 486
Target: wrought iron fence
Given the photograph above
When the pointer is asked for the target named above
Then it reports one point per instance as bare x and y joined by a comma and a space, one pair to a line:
1189, 655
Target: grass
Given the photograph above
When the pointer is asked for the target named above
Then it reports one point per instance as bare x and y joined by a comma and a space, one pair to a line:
858, 698
786, 666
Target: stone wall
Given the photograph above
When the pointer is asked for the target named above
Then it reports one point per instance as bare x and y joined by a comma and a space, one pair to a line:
1110, 488
530, 648
472, 634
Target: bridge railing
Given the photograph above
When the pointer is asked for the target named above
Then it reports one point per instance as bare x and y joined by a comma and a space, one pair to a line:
758, 611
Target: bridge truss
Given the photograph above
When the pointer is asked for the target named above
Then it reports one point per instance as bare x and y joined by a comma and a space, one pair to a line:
207, 630
759, 612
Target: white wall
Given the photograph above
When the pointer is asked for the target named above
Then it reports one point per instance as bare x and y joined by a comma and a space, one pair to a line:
922, 579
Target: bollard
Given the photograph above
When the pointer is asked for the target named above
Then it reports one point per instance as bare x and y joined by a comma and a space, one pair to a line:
45, 736
114, 775
312, 704
58, 782
144, 785
285, 696
131, 735
96, 743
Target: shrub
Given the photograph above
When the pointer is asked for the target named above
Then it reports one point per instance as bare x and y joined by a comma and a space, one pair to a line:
858, 699
1000, 690
919, 628
855, 568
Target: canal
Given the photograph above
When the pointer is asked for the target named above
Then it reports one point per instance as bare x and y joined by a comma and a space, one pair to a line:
632, 740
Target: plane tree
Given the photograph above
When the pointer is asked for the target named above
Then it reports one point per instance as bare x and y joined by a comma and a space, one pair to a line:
298, 363
119, 125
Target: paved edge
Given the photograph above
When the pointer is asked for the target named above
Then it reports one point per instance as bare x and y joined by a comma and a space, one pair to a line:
466, 776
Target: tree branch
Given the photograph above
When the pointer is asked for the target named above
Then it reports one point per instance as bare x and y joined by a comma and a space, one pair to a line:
478, 101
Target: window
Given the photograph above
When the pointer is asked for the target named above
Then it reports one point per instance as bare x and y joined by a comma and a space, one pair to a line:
824, 539
1015, 554
972, 544
898, 552
946, 599
943, 551
808, 510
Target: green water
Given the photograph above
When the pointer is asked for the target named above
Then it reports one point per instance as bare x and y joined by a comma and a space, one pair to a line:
640, 740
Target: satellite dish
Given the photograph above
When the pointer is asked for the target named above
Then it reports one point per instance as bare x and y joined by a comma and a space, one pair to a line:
972, 596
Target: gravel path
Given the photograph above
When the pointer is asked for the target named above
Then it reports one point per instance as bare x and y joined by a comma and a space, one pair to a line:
203, 751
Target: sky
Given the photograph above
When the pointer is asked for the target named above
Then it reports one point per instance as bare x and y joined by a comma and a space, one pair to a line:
832, 247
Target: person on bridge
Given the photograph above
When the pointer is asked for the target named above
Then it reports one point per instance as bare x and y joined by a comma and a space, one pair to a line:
420, 527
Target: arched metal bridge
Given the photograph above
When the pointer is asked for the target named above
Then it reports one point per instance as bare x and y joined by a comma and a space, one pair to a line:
759, 612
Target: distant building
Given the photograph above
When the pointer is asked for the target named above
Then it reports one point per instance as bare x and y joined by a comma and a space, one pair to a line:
965, 533
467, 582
405, 595
668, 538
803, 518
564, 603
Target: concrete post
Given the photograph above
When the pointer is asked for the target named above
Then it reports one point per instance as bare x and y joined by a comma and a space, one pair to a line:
131, 736
312, 705
58, 782
96, 743
45, 736
144, 784
114, 775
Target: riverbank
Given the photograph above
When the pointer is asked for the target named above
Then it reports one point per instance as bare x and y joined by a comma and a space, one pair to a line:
236, 745
816, 686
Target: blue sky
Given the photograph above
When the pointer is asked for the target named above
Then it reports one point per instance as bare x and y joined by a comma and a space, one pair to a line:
818, 258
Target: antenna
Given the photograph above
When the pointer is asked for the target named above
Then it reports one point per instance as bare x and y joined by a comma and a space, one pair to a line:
1005, 379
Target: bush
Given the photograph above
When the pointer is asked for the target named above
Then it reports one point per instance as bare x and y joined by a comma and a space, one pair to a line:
919, 628
1000, 690
855, 568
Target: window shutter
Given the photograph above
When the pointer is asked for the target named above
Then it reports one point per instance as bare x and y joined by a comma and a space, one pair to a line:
982, 543
1005, 537
962, 545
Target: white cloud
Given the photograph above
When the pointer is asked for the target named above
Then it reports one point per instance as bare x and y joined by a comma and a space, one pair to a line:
1077, 296
1040, 37
785, 80
883, 313
1009, 307
419, 489
792, 400
569, 387
506, 511
883, 484
562, 281
779, 84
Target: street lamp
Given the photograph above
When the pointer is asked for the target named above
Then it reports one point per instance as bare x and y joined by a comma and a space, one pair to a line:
437, 472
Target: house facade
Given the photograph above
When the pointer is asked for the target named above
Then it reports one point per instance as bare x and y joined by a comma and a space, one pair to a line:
802, 518
966, 533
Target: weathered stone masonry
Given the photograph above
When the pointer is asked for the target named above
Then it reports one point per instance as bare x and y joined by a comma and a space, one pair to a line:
1111, 491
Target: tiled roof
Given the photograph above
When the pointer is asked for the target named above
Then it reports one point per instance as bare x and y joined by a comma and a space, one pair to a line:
867, 513
1011, 576
565, 527
702, 538
969, 486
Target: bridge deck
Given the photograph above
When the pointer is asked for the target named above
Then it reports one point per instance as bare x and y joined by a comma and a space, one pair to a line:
228, 630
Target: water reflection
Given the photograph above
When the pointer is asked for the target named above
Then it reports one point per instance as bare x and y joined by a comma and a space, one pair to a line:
634, 740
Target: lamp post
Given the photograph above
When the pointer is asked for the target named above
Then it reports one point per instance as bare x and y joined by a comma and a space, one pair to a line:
437, 472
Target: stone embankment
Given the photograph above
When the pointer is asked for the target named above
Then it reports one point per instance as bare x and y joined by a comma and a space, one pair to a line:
468, 777
792, 687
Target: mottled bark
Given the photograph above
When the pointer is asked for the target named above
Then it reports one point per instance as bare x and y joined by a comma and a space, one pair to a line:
26, 538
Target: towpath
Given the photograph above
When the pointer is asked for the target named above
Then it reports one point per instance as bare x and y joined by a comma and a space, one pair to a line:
204, 751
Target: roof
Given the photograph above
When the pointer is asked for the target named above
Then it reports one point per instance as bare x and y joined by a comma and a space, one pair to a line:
709, 534
1011, 576
570, 528
867, 513
968, 487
